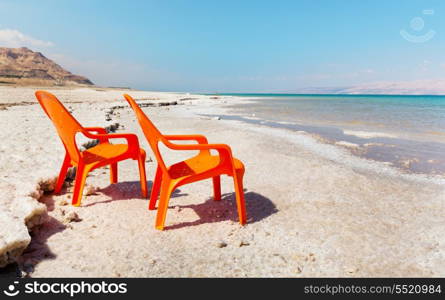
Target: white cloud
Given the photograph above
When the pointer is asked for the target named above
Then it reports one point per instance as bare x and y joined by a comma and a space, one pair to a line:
14, 38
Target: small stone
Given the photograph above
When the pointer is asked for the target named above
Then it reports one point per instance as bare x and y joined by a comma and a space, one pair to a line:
24, 274
221, 244
244, 243
62, 202
71, 217
90, 190
351, 270
311, 257
298, 270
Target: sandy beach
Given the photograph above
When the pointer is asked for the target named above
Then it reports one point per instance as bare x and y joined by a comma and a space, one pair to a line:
313, 209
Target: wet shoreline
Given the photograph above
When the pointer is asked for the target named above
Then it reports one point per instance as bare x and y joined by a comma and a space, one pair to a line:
411, 156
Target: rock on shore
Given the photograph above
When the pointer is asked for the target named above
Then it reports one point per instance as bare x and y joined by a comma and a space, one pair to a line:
18, 215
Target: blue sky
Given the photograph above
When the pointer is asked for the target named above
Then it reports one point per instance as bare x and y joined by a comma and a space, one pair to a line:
232, 46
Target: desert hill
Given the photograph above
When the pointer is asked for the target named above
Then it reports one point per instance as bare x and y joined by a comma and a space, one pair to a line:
24, 66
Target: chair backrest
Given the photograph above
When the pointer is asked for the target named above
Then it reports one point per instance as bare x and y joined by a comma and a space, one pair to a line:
66, 125
152, 134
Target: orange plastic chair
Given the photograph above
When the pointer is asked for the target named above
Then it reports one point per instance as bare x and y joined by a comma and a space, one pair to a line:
202, 166
98, 156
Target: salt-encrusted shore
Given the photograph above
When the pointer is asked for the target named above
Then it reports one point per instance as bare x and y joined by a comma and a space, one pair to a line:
29, 157
313, 209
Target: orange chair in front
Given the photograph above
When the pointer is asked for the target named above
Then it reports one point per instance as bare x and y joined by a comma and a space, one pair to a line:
98, 156
200, 167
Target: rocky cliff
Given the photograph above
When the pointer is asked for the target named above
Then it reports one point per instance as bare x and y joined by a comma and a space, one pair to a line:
24, 66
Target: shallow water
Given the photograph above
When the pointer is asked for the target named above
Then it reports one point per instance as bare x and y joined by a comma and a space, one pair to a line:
405, 131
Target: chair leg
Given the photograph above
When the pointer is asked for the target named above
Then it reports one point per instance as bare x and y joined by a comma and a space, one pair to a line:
166, 190
216, 188
81, 176
113, 173
239, 192
143, 177
62, 174
155, 189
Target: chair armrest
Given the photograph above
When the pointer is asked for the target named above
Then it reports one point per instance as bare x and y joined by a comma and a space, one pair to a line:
132, 139
100, 130
223, 149
187, 137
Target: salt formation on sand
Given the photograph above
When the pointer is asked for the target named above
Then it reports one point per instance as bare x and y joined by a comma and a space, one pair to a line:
18, 214
29, 168
23, 180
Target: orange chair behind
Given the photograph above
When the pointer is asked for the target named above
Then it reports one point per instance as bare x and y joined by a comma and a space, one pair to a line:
98, 156
202, 166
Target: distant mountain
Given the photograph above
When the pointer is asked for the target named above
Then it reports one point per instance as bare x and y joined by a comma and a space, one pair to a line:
24, 66
417, 87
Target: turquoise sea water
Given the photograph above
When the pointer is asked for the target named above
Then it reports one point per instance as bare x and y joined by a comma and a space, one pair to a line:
406, 131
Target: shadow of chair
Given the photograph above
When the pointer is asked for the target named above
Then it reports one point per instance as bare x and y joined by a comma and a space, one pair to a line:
126, 191
258, 207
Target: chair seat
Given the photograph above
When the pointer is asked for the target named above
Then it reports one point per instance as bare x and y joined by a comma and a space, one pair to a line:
197, 165
104, 151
